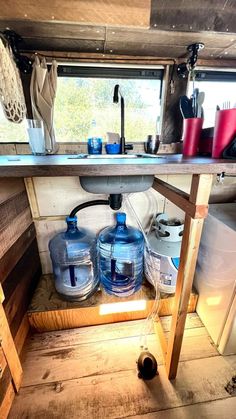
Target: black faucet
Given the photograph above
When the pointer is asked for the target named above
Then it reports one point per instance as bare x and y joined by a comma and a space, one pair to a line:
123, 146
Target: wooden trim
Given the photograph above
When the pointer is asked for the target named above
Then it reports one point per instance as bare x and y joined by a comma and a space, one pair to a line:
102, 58
15, 252
64, 165
69, 318
200, 192
180, 198
88, 57
161, 334
7, 401
29, 184
9, 350
2, 296
22, 333
200, 187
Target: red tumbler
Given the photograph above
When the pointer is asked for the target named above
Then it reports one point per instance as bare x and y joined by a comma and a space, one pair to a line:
191, 135
225, 131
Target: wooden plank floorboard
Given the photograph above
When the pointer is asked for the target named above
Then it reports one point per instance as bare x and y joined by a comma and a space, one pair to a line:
96, 358
57, 339
216, 409
122, 394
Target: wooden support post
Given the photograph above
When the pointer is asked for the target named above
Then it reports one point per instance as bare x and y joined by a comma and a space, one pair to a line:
8, 347
181, 199
199, 195
162, 339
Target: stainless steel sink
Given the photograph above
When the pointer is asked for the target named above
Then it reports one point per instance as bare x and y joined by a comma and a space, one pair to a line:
114, 156
116, 184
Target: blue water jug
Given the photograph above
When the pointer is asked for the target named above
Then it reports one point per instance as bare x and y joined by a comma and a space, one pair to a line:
74, 261
121, 258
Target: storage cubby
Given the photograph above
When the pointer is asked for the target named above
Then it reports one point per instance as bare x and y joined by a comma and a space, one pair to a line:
48, 311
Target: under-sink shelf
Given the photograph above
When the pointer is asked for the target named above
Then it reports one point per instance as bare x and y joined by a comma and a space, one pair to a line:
48, 311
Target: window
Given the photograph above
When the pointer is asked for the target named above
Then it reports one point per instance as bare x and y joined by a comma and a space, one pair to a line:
11, 132
86, 93
219, 87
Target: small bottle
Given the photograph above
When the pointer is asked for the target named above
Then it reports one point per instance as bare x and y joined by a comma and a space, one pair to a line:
121, 258
94, 140
74, 260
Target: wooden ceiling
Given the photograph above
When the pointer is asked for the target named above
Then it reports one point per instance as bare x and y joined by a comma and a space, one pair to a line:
157, 28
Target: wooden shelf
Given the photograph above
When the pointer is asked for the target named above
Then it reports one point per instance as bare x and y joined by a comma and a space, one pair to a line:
48, 311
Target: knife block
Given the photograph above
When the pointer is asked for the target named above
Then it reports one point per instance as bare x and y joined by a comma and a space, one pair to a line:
192, 128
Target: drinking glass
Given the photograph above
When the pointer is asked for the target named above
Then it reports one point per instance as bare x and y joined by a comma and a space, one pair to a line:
36, 137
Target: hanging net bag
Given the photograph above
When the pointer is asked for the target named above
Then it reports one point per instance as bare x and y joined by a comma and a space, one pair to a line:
11, 91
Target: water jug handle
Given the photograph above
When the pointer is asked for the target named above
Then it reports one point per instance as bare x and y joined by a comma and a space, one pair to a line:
113, 269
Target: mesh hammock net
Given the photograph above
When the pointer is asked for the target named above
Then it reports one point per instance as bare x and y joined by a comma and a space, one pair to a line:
11, 91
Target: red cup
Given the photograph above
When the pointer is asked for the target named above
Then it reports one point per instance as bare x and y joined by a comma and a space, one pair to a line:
191, 135
224, 132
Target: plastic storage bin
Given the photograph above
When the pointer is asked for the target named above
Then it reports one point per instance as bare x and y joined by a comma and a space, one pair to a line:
74, 261
121, 258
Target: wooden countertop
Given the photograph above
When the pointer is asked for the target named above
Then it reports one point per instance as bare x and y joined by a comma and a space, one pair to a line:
69, 165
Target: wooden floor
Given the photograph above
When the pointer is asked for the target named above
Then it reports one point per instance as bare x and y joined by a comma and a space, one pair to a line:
91, 373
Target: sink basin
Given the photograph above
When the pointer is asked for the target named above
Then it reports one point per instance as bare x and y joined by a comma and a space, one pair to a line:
116, 184
114, 156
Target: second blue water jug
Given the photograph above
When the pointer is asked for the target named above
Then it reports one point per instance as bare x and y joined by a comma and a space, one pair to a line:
121, 258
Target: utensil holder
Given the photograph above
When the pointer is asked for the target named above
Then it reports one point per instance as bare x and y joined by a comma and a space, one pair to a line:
192, 128
224, 132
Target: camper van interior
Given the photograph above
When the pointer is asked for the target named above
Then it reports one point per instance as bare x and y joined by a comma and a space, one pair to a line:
118, 209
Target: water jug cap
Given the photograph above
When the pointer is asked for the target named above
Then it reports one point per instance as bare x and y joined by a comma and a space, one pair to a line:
71, 219
121, 217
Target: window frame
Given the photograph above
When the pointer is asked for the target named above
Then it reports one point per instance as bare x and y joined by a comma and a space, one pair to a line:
110, 71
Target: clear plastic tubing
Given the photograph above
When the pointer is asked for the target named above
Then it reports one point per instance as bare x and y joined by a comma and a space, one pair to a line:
153, 314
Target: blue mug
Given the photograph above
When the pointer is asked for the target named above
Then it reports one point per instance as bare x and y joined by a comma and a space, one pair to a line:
95, 145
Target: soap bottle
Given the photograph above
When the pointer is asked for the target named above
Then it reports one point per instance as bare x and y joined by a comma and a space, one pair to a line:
94, 140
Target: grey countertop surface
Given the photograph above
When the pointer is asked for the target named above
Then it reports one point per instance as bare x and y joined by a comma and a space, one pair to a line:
71, 165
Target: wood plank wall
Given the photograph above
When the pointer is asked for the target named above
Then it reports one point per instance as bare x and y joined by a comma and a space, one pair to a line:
20, 270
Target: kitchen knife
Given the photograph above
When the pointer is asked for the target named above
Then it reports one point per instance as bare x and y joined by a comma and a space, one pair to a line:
186, 107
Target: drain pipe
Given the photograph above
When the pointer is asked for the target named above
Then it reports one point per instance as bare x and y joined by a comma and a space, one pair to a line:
114, 200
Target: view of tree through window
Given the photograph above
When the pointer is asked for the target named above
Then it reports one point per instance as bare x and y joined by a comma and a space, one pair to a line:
79, 101
11, 132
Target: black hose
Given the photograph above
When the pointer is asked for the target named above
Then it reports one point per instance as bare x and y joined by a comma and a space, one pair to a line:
89, 204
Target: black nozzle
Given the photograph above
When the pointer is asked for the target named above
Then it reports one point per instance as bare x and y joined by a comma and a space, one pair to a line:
147, 366
115, 201
115, 94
